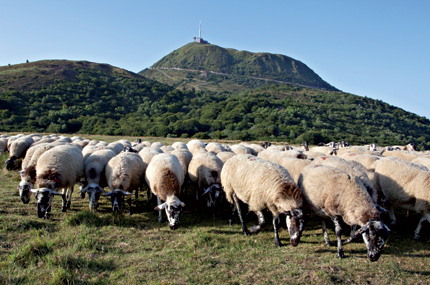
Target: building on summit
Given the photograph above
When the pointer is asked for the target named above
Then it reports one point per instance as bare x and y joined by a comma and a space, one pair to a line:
200, 39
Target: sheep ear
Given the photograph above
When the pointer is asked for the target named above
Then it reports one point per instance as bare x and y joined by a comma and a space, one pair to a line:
55, 192
161, 206
380, 209
108, 194
363, 229
209, 189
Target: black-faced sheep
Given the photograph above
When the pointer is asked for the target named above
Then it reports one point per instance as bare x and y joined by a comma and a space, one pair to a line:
263, 184
205, 170
405, 185
334, 194
94, 174
164, 177
59, 168
124, 173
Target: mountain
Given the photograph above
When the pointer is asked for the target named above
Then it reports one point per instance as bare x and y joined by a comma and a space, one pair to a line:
61, 96
210, 67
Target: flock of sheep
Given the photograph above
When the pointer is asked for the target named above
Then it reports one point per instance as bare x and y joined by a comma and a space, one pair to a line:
350, 184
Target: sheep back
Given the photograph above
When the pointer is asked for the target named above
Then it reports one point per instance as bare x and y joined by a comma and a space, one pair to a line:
125, 171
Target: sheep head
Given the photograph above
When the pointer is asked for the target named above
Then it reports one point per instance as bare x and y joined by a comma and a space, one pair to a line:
94, 192
375, 234
44, 197
24, 188
173, 207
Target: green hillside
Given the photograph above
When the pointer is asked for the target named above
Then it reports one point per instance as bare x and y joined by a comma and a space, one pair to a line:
210, 67
91, 98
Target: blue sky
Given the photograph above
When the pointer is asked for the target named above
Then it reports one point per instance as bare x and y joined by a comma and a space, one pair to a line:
379, 48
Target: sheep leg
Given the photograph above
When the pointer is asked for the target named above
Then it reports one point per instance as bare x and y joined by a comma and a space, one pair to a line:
64, 196
392, 215
261, 223
338, 230
233, 210
236, 203
325, 234
160, 214
69, 197
352, 236
425, 217
129, 205
276, 228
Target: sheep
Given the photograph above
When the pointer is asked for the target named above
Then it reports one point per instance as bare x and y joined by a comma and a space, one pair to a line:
425, 161
28, 172
195, 146
205, 170
3, 144
179, 145
327, 150
157, 144
240, 149
165, 177
353, 168
17, 150
59, 167
117, 147
405, 155
334, 194
405, 185
94, 174
367, 160
263, 184
184, 156
148, 153
225, 155
292, 164
167, 148
125, 172
214, 147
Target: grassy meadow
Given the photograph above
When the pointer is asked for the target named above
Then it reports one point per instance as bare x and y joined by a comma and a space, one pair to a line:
83, 247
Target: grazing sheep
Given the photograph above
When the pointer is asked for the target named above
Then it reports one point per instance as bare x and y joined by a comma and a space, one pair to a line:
117, 147
195, 146
334, 194
59, 168
405, 185
422, 160
367, 160
157, 144
94, 174
240, 149
124, 173
292, 164
327, 150
165, 177
263, 184
184, 156
148, 153
18, 149
167, 148
3, 144
402, 154
179, 145
28, 172
214, 147
353, 168
205, 170
225, 155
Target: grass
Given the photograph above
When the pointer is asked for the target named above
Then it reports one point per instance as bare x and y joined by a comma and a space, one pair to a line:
84, 247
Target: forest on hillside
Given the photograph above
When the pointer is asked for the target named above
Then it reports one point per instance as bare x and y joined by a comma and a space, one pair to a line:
95, 103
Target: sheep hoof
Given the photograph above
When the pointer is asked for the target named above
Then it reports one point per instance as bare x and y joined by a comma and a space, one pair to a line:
416, 236
68, 204
246, 232
255, 229
340, 254
278, 243
64, 209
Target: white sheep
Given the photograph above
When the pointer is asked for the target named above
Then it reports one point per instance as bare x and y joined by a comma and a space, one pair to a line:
184, 156
125, 172
94, 174
292, 164
195, 146
205, 170
333, 193
59, 168
167, 148
225, 155
18, 149
263, 184
240, 149
3, 144
179, 145
214, 147
165, 177
423, 160
405, 185
353, 168
28, 172
402, 154
157, 144
367, 160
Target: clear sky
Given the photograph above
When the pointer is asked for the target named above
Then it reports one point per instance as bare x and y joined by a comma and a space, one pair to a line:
374, 48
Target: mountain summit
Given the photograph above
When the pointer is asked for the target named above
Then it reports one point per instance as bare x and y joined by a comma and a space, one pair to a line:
211, 67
